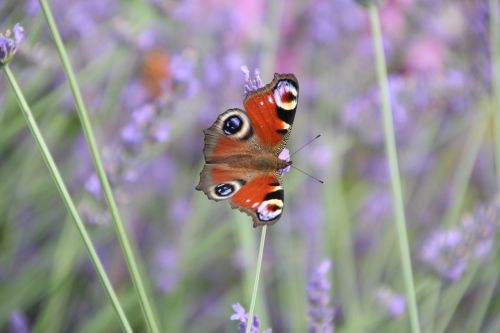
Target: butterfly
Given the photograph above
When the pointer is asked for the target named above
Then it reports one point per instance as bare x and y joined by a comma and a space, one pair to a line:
242, 150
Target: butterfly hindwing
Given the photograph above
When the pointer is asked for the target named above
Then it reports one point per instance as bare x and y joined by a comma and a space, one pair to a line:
221, 181
262, 198
260, 195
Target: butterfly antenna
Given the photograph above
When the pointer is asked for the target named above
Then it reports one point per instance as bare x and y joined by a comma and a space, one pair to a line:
305, 173
305, 145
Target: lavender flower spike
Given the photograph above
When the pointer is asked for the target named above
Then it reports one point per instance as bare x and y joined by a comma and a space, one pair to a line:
9, 44
251, 84
450, 252
393, 304
241, 315
321, 314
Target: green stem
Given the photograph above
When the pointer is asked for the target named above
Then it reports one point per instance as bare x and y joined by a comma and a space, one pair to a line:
461, 178
488, 283
70, 206
488, 293
248, 244
87, 129
341, 233
451, 298
494, 9
391, 152
257, 276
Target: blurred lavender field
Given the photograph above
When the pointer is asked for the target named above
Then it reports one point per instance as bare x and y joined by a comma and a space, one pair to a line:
155, 73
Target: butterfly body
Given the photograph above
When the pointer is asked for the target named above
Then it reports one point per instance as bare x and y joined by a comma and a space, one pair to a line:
242, 151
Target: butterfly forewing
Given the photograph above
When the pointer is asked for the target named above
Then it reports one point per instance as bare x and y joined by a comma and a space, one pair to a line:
271, 110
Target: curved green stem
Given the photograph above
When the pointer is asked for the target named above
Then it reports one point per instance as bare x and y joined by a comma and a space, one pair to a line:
70, 206
257, 276
108, 195
391, 152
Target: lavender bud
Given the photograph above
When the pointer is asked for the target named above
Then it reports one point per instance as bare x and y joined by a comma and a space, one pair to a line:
321, 314
251, 84
9, 44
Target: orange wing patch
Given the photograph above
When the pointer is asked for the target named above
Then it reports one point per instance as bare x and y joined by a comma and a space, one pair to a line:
263, 114
253, 193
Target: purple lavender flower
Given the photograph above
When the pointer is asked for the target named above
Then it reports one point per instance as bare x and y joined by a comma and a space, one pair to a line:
242, 316
134, 95
93, 186
9, 43
323, 28
376, 206
331, 22
145, 127
166, 269
450, 252
32, 7
414, 100
183, 78
321, 314
478, 17
479, 231
132, 135
440, 251
361, 115
160, 132
18, 322
84, 18
254, 83
392, 303
222, 70
285, 156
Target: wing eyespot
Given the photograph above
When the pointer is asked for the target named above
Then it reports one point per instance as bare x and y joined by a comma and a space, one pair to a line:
225, 190
270, 210
234, 123
286, 94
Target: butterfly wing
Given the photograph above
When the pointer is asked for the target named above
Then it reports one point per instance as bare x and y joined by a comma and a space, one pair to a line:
262, 198
230, 136
228, 142
271, 111
257, 194
241, 151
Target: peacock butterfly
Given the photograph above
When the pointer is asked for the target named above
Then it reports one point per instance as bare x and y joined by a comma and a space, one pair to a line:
242, 151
